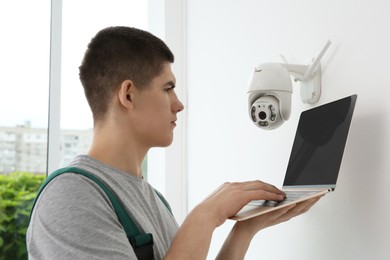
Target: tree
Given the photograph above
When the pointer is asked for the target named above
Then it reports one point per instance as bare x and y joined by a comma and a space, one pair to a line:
17, 193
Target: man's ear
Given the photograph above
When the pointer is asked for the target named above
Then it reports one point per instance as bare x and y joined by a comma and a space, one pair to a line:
125, 93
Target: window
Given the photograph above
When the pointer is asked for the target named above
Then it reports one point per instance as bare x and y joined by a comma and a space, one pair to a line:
23, 123
25, 55
24, 83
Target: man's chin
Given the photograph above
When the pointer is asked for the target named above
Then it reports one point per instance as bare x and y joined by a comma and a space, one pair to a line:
165, 143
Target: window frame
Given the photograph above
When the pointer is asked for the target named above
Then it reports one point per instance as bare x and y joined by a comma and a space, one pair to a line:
54, 113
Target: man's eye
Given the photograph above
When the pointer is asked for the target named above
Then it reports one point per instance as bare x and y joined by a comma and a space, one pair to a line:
169, 89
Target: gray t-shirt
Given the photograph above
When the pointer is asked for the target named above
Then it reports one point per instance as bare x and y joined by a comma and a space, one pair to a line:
74, 219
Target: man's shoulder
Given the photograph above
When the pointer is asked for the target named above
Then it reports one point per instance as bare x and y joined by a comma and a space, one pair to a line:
110, 176
69, 191
74, 212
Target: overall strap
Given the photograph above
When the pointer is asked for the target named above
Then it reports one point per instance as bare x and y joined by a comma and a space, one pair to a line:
142, 243
164, 201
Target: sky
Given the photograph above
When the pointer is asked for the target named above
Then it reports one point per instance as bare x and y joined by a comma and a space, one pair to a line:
25, 55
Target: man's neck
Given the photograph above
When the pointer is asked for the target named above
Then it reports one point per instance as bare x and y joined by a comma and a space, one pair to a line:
109, 147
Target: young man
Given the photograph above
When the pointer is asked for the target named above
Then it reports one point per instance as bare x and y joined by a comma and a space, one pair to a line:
128, 82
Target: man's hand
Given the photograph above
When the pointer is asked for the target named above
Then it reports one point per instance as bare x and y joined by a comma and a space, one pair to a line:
229, 198
239, 238
193, 239
253, 225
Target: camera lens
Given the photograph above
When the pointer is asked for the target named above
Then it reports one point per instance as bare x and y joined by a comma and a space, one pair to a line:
262, 115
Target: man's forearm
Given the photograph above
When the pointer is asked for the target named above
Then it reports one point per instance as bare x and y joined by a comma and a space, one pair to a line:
236, 244
193, 239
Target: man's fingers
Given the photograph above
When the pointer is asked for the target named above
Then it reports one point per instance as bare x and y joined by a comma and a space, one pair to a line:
259, 185
229, 198
253, 190
264, 195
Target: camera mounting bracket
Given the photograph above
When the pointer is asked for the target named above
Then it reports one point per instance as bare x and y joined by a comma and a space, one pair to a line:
309, 76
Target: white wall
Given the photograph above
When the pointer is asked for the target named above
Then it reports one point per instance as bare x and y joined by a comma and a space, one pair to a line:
226, 39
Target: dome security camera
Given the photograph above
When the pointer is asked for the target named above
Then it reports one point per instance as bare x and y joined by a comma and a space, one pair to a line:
270, 90
270, 95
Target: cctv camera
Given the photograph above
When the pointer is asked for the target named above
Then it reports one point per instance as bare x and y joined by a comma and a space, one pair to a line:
270, 95
270, 90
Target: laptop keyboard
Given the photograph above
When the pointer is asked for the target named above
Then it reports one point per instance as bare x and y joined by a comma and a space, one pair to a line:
290, 196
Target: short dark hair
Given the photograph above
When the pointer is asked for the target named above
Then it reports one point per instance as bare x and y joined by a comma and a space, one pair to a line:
116, 54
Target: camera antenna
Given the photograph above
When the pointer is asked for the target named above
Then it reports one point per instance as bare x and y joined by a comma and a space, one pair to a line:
309, 76
312, 67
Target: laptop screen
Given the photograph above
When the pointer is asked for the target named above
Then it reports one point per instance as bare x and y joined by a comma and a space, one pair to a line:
319, 144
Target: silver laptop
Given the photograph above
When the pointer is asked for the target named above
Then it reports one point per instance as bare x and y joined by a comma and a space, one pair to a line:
315, 157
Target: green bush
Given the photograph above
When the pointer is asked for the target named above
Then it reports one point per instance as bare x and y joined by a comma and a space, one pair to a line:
17, 193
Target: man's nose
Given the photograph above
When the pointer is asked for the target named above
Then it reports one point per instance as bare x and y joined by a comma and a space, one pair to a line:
177, 105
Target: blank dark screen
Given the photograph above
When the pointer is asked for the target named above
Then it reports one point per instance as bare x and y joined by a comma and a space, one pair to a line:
319, 143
